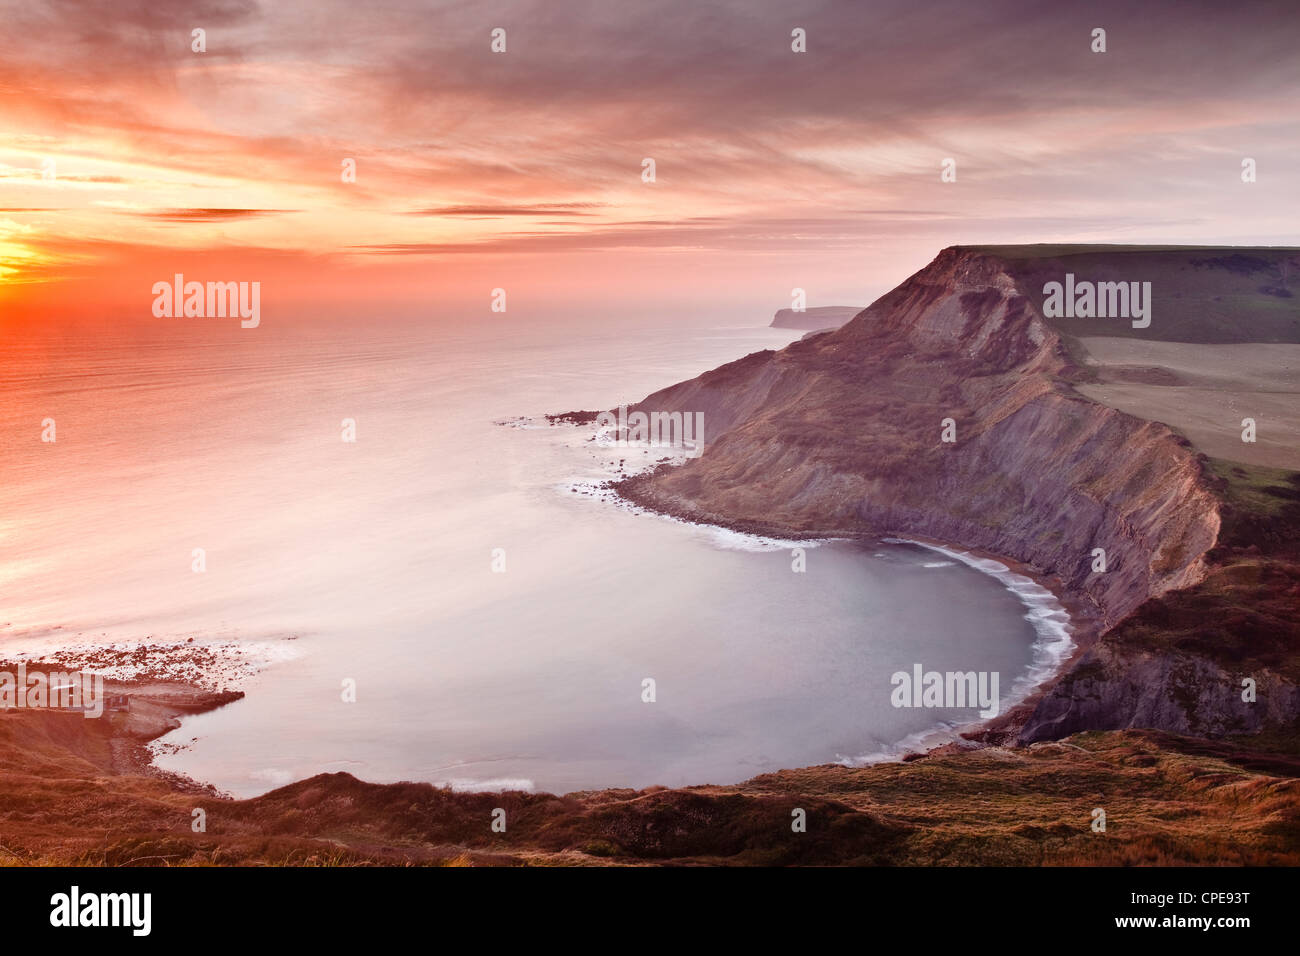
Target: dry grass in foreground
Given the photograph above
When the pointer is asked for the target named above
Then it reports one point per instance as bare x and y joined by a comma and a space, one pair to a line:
1168, 800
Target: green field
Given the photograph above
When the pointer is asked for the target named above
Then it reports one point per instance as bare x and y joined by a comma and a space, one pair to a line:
1201, 294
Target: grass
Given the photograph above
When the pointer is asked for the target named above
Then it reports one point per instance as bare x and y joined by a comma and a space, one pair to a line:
1168, 800
1199, 294
1256, 490
1243, 614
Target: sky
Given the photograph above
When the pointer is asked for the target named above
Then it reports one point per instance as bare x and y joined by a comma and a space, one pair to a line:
126, 156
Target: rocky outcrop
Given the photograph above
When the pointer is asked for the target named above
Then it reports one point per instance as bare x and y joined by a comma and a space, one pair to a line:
843, 432
822, 317
1117, 687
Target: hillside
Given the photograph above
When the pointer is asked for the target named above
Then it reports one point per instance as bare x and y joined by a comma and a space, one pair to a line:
842, 434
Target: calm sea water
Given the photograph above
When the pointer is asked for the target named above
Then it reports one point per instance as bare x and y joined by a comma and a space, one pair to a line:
371, 562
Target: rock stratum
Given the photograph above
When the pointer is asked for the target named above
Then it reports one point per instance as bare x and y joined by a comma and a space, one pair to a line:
842, 433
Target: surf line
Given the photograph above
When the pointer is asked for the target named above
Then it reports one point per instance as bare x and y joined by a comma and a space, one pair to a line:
1053, 643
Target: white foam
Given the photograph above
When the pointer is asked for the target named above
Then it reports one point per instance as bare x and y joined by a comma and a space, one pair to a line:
274, 776
730, 540
922, 740
1052, 646
1051, 622
597, 489
234, 659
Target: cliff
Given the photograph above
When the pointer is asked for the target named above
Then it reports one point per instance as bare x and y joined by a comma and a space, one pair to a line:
1218, 659
842, 433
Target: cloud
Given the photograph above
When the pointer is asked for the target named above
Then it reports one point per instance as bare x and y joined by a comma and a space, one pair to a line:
758, 149
204, 215
500, 211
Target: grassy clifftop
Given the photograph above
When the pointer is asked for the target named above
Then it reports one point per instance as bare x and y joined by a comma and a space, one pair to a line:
1205, 294
1168, 800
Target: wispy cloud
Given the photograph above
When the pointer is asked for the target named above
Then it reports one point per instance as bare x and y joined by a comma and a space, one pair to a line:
501, 211
205, 215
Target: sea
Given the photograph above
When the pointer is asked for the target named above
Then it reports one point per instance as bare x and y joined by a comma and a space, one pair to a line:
449, 596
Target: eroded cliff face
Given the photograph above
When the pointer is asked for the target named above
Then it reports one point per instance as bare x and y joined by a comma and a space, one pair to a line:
1116, 687
842, 433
